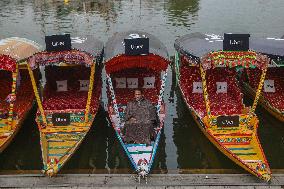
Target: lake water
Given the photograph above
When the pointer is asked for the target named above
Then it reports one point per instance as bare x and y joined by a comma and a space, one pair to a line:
183, 146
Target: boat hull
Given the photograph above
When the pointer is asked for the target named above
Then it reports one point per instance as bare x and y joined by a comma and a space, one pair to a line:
6, 137
256, 165
7, 134
58, 144
139, 152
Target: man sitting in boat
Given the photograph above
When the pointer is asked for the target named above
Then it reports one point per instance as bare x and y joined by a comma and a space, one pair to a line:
140, 120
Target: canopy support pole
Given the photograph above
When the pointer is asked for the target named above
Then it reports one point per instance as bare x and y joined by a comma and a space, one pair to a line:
90, 92
177, 67
37, 95
13, 94
205, 93
259, 89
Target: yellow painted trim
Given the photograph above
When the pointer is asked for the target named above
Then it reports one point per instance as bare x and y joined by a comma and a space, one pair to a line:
258, 92
90, 92
205, 93
13, 93
263, 102
37, 95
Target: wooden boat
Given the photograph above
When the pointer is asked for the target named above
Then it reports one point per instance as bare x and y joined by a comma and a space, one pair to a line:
272, 96
206, 76
16, 94
69, 98
129, 69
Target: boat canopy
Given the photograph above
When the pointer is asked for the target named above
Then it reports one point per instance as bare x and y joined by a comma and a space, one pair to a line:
273, 47
14, 49
84, 51
208, 50
116, 59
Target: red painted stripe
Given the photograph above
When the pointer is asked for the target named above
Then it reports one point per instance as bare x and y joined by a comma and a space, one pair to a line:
233, 134
230, 143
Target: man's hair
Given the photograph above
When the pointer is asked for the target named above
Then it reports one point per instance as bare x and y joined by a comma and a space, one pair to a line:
139, 89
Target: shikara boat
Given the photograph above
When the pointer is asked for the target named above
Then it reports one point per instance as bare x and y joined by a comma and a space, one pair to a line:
272, 96
68, 96
206, 76
128, 68
16, 93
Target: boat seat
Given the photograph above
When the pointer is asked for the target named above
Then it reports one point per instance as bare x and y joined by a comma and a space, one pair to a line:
123, 96
275, 74
126, 93
24, 94
231, 101
73, 98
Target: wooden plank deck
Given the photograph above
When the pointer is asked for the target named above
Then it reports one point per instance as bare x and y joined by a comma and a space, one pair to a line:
128, 181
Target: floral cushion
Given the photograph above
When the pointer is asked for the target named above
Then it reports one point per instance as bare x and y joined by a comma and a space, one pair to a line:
276, 98
24, 94
220, 103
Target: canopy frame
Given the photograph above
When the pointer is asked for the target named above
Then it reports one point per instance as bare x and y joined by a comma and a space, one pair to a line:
218, 58
65, 57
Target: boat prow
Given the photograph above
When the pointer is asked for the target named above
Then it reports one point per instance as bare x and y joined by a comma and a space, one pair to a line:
240, 144
58, 147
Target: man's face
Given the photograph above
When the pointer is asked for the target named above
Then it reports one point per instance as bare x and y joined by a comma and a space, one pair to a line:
137, 95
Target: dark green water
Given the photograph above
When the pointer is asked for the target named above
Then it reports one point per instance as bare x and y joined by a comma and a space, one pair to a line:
183, 146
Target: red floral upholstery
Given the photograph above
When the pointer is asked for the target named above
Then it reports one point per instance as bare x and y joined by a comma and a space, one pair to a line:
223, 103
124, 95
24, 93
277, 74
73, 98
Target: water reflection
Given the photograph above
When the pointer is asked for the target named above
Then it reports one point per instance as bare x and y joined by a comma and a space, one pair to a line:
183, 145
24, 152
182, 12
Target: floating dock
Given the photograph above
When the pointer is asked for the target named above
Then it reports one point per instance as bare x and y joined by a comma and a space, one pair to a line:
128, 181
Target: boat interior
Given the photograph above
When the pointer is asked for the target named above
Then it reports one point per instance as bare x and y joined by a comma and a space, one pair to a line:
223, 89
273, 89
67, 88
24, 92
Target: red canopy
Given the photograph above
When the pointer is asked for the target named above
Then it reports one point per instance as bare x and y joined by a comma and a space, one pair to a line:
121, 62
7, 63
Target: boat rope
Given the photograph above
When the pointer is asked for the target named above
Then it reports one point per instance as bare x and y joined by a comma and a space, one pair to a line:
205, 93
113, 98
162, 90
13, 95
259, 89
37, 95
90, 92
